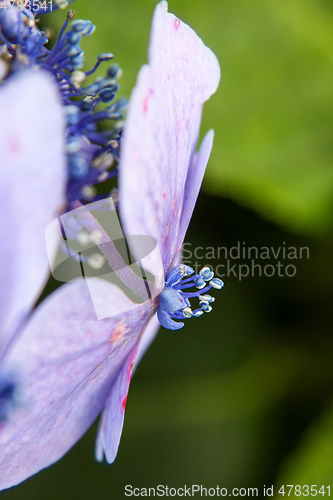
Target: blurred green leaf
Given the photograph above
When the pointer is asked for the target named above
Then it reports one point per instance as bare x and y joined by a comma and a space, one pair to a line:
250, 390
273, 148
273, 112
312, 462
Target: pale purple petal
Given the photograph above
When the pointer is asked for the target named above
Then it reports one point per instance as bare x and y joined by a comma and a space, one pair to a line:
112, 420
147, 339
32, 187
161, 131
193, 183
67, 362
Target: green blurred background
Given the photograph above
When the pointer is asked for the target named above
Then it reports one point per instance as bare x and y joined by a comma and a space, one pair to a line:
243, 396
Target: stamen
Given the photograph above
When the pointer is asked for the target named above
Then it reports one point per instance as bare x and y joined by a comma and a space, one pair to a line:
83, 238
103, 161
77, 78
206, 273
174, 302
96, 261
96, 237
88, 192
90, 152
187, 312
217, 283
207, 298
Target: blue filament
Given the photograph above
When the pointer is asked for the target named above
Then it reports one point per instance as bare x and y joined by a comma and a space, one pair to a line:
174, 302
24, 45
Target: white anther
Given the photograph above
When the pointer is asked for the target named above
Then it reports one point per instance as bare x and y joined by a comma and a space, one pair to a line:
120, 124
113, 143
217, 283
83, 238
96, 237
77, 78
206, 298
187, 312
204, 269
62, 4
105, 160
48, 31
198, 313
103, 177
88, 192
96, 261
182, 270
30, 22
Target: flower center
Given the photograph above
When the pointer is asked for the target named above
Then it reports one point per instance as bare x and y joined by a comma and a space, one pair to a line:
91, 153
174, 302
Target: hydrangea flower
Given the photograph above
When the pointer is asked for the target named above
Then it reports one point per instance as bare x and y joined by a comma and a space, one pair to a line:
72, 365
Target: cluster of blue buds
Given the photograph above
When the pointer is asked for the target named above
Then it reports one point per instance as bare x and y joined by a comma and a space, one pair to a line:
174, 302
92, 154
